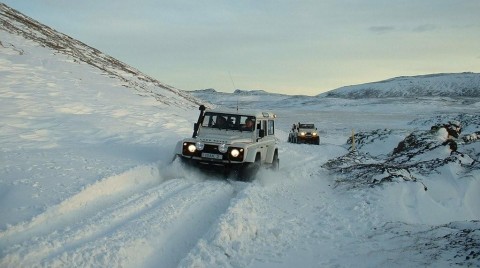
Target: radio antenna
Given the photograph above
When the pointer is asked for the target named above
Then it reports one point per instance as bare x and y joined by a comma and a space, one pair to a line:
233, 83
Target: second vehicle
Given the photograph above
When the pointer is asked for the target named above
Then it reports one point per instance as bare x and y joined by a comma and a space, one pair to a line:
304, 133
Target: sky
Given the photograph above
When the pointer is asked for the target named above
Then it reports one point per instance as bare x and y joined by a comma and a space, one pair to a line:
288, 47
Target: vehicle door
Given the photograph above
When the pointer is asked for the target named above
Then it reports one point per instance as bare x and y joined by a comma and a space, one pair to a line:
262, 138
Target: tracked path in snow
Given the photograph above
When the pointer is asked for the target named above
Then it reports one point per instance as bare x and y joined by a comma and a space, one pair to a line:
147, 225
284, 217
148, 217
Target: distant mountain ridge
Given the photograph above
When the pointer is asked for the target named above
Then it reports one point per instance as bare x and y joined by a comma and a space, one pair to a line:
244, 98
453, 85
255, 92
16, 23
432, 85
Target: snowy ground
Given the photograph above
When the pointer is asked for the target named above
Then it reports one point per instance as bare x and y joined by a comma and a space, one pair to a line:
86, 179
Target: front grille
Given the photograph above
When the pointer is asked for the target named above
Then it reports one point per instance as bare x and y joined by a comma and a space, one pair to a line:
209, 148
213, 149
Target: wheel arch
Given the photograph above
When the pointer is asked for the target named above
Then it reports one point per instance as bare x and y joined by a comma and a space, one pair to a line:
270, 155
251, 155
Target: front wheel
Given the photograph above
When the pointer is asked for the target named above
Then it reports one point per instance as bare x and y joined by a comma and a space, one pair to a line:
249, 170
276, 161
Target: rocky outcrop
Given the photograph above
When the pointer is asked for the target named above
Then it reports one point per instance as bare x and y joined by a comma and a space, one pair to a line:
420, 153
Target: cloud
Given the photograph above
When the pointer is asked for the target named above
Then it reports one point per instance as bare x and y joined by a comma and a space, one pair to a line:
381, 29
425, 28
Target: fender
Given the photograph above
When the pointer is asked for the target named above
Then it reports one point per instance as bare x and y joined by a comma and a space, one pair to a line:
178, 148
270, 153
251, 154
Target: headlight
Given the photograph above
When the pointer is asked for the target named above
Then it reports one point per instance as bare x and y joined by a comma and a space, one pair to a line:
200, 145
302, 133
222, 148
314, 133
235, 152
191, 148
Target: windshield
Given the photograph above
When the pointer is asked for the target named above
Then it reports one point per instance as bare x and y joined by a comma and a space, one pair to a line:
228, 121
307, 126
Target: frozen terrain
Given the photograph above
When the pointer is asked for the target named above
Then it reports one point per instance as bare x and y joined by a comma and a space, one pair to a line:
87, 178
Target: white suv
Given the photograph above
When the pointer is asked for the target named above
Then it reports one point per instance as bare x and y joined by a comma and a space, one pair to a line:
304, 133
231, 141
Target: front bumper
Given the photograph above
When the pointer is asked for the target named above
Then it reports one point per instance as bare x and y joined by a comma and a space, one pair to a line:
212, 166
308, 139
211, 154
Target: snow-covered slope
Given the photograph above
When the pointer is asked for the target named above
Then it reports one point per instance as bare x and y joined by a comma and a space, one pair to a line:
14, 23
434, 85
433, 89
58, 106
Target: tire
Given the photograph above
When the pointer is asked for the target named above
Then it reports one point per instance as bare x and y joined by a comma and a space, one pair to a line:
249, 170
276, 161
184, 161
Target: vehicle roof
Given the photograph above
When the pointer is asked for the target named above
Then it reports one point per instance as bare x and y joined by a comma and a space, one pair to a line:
257, 114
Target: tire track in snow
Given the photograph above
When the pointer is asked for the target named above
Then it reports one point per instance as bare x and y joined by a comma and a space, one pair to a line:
276, 209
87, 202
162, 235
91, 228
167, 218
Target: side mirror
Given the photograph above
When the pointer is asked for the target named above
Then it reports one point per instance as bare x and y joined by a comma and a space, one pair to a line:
261, 133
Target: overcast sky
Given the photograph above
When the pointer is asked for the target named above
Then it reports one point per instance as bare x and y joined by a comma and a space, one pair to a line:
291, 47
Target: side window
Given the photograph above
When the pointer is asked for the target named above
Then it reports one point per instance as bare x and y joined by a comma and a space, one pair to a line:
247, 123
271, 127
259, 124
264, 126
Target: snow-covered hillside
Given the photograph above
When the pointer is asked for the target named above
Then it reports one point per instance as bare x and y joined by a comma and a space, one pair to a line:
13, 22
87, 177
440, 85
461, 88
62, 105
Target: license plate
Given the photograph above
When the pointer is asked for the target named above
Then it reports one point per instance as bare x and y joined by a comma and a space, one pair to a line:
213, 156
